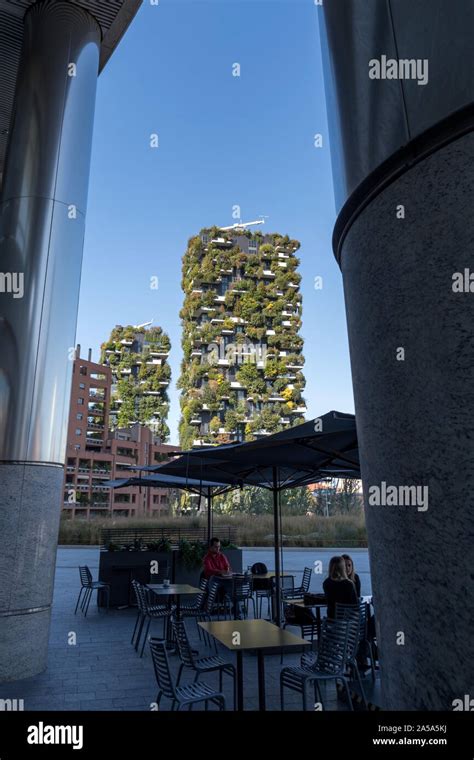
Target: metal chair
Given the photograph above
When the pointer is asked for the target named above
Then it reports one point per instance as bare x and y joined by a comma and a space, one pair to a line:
148, 611
180, 696
305, 584
194, 609
210, 609
357, 614
287, 590
88, 585
200, 664
328, 664
241, 594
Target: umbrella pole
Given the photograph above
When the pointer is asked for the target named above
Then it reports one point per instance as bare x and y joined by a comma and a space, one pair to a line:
276, 530
209, 515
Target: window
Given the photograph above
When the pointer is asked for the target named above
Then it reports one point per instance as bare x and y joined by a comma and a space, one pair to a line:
253, 245
83, 370
80, 401
205, 239
82, 386
77, 446
79, 416
78, 431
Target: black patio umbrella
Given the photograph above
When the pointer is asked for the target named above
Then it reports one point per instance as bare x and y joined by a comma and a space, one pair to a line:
307, 453
209, 488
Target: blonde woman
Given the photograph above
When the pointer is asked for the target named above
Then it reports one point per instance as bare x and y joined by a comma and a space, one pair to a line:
351, 573
338, 587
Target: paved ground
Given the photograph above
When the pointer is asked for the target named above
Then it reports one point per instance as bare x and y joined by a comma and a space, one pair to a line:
92, 665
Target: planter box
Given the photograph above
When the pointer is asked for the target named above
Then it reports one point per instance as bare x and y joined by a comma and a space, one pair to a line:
118, 569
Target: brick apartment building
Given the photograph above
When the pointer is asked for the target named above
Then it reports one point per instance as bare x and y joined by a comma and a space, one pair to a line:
96, 454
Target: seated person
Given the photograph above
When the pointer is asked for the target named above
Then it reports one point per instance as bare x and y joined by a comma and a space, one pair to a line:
351, 573
338, 587
215, 562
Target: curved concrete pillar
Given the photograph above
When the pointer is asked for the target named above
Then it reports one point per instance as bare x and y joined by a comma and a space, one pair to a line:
42, 214
403, 154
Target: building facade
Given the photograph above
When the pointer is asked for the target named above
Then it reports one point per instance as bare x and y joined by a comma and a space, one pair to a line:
241, 374
96, 454
137, 357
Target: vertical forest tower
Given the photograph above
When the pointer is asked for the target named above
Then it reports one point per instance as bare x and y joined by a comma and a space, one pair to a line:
241, 374
141, 375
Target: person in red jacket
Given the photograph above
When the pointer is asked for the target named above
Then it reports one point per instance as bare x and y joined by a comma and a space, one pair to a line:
215, 563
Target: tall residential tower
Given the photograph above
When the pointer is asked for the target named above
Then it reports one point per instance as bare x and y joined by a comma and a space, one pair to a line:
141, 375
241, 374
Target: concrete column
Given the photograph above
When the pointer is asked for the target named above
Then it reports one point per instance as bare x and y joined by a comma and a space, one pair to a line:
42, 213
403, 157
415, 412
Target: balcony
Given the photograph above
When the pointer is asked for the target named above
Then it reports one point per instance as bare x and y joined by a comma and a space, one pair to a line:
286, 323
94, 441
125, 371
270, 332
268, 273
236, 384
160, 354
98, 396
127, 341
195, 421
282, 264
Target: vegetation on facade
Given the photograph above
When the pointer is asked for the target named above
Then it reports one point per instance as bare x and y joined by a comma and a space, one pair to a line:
141, 375
241, 374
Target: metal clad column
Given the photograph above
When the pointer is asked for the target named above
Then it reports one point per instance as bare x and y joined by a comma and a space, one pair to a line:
403, 152
42, 215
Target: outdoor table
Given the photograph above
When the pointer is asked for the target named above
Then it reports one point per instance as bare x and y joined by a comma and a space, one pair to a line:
174, 592
259, 635
267, 577
314, 605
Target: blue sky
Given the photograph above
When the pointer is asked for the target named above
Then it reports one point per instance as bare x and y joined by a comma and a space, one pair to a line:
223, 141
